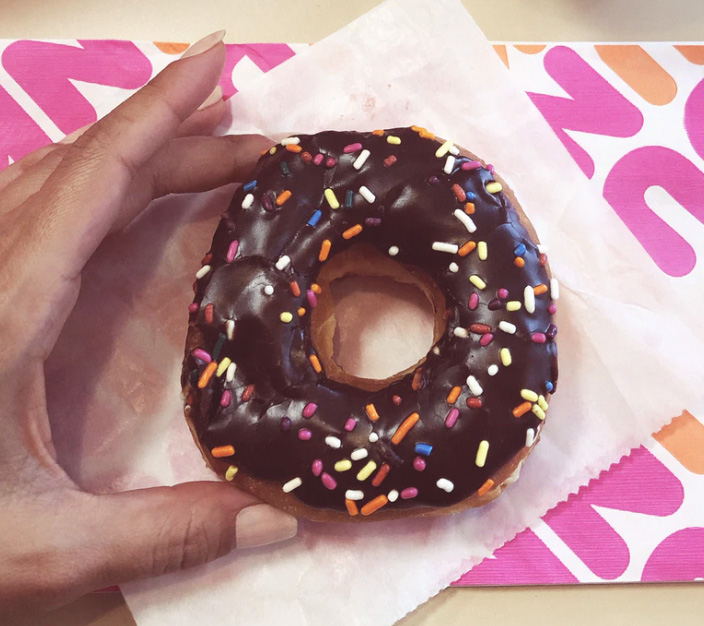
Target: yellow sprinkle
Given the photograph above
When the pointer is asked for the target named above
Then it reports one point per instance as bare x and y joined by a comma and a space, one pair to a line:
493, 187
332, 199
542, 403
477, 282
394, 140
272, 150
482, 250
505, 357
343, 466
366, 471
529, 395
230, 473
316, 288
443, 149
222, 368
513, 305
540, 414
285, 317
481, 453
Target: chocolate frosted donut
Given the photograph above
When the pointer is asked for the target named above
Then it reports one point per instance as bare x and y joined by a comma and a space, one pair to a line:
266, 401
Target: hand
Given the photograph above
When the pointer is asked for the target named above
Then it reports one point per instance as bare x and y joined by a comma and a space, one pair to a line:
57, 204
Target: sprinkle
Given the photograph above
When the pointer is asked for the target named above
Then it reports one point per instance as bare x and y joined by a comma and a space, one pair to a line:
493, 370
474, 403
208, 313
309, 410
220, 452
436, 350
359, 454
292, 147
529, 299
549, 386
283, 166
477, 281
484, 489
301, 311
459, 192
272, 150
443, 149
423, 448
445, 485
389, 161
473, 301
283, 262
449, 164
404, 427
453, 395
352, 232
378, 133
540, 289
343, 465
381, 475
467, 222
328, 481
292, 484
539, 413
514, 305
373, 437
307, 157
552, 309
417, 382
226, 398
392, 139
396, 400
493, 187
469, 208
318, 159
247, 393
232, 250
507, 327
482, 250
324, 250
359, 161
530, 437
268, 290
453, 267
203, 271
304, 434
295, 288
201, 354
351, 507
374, 505
460, 332
479, 329
520, 249
521, 409
393, 250
333, 442
490, 167
442, 246
193, 307
502, 293
393, 495
354, 494
331, 198
350, 424
207, 375
505, 357
451, 418
267, 202
371, 412
222, 368
366, 194
366, 471
316, 467
481, 453
542, 403
474, 386
349, 199
529, 395
538, 338
285, 424
315, 362
495, 304
286, 317
330, 162
230, 374
471, 165
249, 186
554, 289
419, 464
353, 147
290, 140
315, 218
230, 473
408, 493
519, 262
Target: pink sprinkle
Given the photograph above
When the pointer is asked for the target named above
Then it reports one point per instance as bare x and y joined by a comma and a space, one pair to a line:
309, 410
330, 162
552, 309
193, 307
452, 418
328, 481
486, 339
538, 338
409, 492
318, 159
304, 434
350, 424
490, 167
232, 251
317, 467
353, 147
419, 464
312, 300
225, 398
201, 354
502, 293
471, 165
473, 301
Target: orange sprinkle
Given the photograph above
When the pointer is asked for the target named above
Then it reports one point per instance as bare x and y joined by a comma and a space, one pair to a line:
324, 250
485, 487
316, 288
209, 313
459, 192
540, 289
283, 196
425, 134
247, 393
351, 507
301, 312
378, 133
416, 129
207, 374
417, 381
467, 248
381, 474
263, 152
295, 289
469, 208
292, 147
453, 395
404, 427
315, 362
371, 412
518, 261
374, 505
352, 232
522, 409
222, 451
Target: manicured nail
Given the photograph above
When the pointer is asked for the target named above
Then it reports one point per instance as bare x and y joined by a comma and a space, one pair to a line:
215, 96
261, 525
71, 137
204, 44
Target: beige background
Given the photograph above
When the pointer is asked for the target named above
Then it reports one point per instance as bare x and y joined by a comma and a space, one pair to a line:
310, 20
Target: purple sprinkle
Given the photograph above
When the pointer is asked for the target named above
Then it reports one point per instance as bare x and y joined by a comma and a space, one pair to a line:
502, 293
232, 251
552, 309
353, 147
409, 492
372, 221
318, 159
452, 418
551, 331
225, 398
330, 162
285, 423
473, 301
304, 434
312, 300
267, 202
471, 165
419, 464
495, 304
486, 339
201, 354
328, 481
193, 307
350, 424
538, 338
433, 180
309, 410
316, 467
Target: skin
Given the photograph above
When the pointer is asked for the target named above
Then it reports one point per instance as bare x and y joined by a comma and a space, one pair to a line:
56, 206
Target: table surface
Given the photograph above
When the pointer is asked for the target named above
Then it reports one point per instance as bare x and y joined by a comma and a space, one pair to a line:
308, 21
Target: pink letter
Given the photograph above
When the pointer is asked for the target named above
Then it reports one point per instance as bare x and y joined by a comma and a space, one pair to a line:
694, 118
677, 558
19, 132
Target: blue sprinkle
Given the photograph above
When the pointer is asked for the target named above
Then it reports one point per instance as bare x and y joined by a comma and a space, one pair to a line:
471, 196
284, 168
218, 346
424, 448
349, 199
549, 386
250, 185
315, 218
520, 249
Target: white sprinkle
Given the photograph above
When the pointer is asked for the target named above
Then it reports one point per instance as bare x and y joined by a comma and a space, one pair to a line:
436, 351
445, 485
359, 161
393, 250
493, 370
230, 373
529, 299
443, 246
283, 262
507, 327
554, 289
203, 271
393, 495
454, 268
248, 201
460, 332
454, 150
530, 437
443, 149
292, 484
482, 251
474, 386
542, 249
230, 329
354, 494
291, 140
467, 221
366, 194
373, 437
333, 442
449, 164
359, 454
269, 290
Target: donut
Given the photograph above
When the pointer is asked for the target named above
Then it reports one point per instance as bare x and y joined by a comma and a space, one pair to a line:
268, 405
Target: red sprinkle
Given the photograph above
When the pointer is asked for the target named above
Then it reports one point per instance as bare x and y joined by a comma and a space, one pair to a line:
459, 192
480, 329
389, 160
295, 289
209, 313
330, 162
486, 339
538, 338
328, 481
396, 400
502, 293
316, 467
247, 393
381, 474
543, 258
193, 307
474, 403
473, 301
306, 156
207, 258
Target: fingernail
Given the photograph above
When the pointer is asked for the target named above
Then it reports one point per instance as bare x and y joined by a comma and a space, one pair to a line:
204, 44
71, 137
261, 525
215, 96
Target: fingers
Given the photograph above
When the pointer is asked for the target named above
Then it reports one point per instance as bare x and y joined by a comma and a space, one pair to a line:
11, 173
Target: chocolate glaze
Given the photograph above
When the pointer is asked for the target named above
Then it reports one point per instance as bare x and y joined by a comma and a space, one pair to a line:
415, 204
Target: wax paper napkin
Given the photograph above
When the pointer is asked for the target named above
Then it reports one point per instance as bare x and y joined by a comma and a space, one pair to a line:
629, 343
